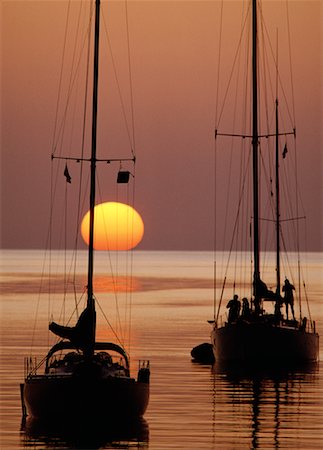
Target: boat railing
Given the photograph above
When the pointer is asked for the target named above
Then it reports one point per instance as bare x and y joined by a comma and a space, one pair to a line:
144, 371
144, 364
30, 366
303, 324
308, 326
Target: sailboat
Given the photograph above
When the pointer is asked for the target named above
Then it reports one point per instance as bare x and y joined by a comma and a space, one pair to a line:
81, 376
252, 335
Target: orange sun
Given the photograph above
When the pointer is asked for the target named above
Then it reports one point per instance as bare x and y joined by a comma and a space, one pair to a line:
116, 227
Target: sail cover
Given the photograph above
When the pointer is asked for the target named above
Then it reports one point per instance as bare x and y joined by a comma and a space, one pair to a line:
82, 334
261, 290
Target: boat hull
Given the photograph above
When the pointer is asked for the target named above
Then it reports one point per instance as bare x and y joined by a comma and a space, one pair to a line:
260, 343
48, 396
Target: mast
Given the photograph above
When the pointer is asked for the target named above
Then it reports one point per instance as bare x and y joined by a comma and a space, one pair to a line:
255, 153
93, 152
277, 206
90, 299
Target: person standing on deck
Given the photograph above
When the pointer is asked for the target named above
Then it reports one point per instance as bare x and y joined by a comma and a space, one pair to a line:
288, 297
245, 308
234, 306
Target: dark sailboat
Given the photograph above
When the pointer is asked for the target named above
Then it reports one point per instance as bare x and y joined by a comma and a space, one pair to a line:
85, 378
254, 336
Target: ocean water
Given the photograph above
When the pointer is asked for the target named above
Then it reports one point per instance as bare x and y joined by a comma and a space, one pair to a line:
192, 406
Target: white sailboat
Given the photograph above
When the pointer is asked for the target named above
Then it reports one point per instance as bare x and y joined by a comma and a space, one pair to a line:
253, 335
80, 376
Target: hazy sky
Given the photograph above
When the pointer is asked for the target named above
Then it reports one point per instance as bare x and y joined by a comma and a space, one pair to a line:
174, 47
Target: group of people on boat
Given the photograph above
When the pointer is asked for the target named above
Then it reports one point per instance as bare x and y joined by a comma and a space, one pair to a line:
234, 305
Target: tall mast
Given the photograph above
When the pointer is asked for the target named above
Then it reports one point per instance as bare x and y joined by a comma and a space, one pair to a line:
255, 149
90, 300
277, 206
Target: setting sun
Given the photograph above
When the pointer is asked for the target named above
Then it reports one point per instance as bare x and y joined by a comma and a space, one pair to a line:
116, 227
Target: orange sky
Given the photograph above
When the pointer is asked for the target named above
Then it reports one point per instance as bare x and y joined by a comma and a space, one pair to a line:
173, 48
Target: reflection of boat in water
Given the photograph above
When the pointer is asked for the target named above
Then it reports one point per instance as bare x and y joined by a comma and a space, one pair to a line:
265, 408
89, 435
253, 335
84, 377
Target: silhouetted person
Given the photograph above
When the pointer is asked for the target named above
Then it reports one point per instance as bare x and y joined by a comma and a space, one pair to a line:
234, 309
245, 308
288, 297
303, 324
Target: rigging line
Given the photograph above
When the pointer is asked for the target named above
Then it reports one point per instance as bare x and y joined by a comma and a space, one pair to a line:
129, 267
52, 191
131, 262
220, 301
239, 235
290, 62
286, 254
265, 63
241, 153
40, 290
127, 261
233, 66
290, 115
306, 297
308, 306
234, 229
65, 247
117, 266
133, 149
294, 115
67, 322
215, 151
72, 64
239, 203
237, 58
73, 77
215, 225
108, 322
268, 179
53, 188
297, 223
123, 109
285, 191
297, 189
78, 216
112, 272
54, 182
292, 206
62, 244
305, 275
61, 76
219, 65
244, 153
228, 190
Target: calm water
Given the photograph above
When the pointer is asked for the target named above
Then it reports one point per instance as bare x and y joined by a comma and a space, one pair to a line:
192, 406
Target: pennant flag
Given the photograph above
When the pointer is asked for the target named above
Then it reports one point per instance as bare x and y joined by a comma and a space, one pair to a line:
67, 175
285, 151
